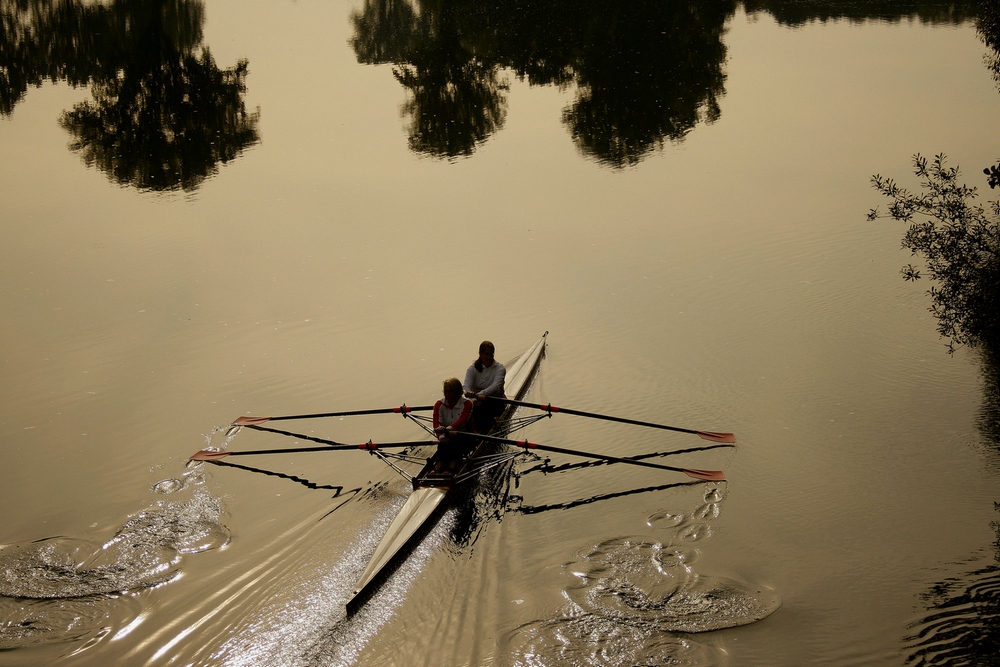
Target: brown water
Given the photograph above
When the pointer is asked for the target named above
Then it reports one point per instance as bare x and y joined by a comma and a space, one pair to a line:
330, 238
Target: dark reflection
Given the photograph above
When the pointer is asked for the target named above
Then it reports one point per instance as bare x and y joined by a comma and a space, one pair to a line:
646, 72
281, 475
962, 625
799, 12
456, 100
570, 504
959, 241
546, 467
163, 114
478, 502
988, 27
989, 415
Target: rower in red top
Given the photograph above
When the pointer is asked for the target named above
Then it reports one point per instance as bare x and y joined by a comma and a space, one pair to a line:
485, 377
452, 415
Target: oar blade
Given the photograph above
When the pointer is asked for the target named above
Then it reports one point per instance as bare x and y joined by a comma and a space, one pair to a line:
247, 421
716, 437
208, 455
707, 475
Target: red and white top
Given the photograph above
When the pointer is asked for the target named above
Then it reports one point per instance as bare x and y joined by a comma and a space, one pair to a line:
452, 417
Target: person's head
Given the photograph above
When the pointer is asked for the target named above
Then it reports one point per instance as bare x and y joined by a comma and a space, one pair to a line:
452, 390
486, 352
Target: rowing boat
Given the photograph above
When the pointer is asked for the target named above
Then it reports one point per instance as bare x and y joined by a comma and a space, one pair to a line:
431, 488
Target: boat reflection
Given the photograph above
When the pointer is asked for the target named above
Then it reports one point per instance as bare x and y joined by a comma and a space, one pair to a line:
163, 114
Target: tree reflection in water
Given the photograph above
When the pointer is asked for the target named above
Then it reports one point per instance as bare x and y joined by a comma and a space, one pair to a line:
456, 99
800, 12
163, 114
645, 72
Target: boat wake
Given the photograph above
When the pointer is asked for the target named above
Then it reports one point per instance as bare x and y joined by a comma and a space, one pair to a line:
61, 589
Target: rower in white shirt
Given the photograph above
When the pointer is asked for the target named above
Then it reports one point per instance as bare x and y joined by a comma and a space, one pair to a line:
485, 377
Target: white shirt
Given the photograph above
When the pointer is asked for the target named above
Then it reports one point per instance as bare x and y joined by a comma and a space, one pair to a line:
447, 416
488, 381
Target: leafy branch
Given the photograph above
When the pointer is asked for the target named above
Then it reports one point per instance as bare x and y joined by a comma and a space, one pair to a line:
959, 242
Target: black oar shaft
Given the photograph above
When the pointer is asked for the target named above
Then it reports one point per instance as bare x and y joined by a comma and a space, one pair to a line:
403, 409
700, 474
363, 446
707, 435
370, 446
293, 450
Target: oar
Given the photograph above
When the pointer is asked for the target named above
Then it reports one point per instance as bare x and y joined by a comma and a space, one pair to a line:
208, 455
403, 409
707, 475
546, 467
707, 435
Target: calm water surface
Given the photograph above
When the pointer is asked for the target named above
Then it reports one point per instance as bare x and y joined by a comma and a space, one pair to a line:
213, 209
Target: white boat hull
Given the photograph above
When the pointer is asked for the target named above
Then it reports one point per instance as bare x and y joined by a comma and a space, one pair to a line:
426, 498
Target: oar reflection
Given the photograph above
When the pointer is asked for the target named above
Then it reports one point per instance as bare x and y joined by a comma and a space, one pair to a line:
293, 478
535, 509
546, 467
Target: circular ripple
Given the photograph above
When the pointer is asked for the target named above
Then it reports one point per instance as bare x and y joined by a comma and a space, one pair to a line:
60, 567
33, 622
664, 520
194, 478
188, 527
634, 581
600, 642
168, 486
715, 495
695, 532
707, 511
145, 552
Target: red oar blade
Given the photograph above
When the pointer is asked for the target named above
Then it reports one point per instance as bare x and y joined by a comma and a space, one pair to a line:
247, 421
717, 437
208, 455
707, 475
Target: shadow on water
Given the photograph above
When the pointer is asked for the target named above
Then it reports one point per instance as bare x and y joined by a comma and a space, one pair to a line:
163, 114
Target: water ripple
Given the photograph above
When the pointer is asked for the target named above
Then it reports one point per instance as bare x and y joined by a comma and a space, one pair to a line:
63, 588
634, 581
592, 640
961, 628
34, 622
637, 601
